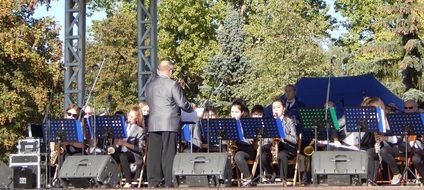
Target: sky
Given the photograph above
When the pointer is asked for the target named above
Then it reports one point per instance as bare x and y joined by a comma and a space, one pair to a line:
58, 8
57, 11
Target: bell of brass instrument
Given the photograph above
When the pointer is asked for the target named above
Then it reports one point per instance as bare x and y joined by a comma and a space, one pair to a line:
310, 149
54, 156
274, 150
111, 150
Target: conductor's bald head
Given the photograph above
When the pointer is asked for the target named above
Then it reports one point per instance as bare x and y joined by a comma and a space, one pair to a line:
165, 68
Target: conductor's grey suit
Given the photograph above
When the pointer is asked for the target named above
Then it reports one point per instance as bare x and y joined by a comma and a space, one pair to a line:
165, 99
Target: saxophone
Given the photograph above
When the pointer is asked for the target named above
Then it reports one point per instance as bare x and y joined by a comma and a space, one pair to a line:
274, 150
56, 152
274, 147
377, 146
232, 148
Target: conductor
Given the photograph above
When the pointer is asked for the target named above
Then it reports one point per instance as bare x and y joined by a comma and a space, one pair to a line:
165, 99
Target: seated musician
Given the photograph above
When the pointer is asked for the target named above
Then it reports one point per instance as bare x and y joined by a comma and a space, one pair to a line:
389, 147
418, 157
145, 111
130, 150
411, 106
370, 141
67, 147
286, 146
257, 111
245, 150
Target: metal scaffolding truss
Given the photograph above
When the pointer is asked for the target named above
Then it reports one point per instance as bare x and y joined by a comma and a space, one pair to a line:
147, 39
74, 47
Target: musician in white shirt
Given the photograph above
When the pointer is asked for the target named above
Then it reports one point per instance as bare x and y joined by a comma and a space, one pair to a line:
411, 106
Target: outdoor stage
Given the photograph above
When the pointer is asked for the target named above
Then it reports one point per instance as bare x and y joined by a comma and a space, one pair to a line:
305, 188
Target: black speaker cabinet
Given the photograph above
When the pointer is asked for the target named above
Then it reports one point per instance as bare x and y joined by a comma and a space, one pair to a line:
339, 167
23, 178
89, 171
199, 169
6, 176
22, 163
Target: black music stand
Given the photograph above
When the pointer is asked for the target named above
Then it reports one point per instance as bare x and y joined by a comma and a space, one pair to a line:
404, 124
359, 119
107, 127
63, 130
314, 123
222, 129
262, 128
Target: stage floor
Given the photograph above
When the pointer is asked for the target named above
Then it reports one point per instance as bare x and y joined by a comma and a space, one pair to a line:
303, 188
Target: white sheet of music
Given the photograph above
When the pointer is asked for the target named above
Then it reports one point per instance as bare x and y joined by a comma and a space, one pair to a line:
192, 117
341, 146
352, 139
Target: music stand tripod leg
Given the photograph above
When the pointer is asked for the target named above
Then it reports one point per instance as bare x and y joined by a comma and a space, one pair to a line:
404, 178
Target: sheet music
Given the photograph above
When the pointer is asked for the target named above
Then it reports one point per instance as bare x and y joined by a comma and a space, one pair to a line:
353, 138
192, 117
341, 146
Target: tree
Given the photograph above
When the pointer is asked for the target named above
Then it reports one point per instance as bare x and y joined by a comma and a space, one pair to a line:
115, 41
187, 32
285, 45
227, 68
29, 52
186, 37
384, 39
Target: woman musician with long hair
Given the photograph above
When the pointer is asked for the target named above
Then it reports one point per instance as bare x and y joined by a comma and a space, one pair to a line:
285, 148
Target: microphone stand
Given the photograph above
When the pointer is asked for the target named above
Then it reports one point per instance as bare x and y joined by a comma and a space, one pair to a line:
327, 99
109, 95
47, 123
207, 106
88, 100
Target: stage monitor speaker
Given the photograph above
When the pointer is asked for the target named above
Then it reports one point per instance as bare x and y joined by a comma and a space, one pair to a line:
24, 178
6, 176
89, 171
342, 168
199, 169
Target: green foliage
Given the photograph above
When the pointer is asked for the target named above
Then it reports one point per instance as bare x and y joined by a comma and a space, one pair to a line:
285, 46
413, 94
227, 68
29, 52
384, 39
115, 41
187, 37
